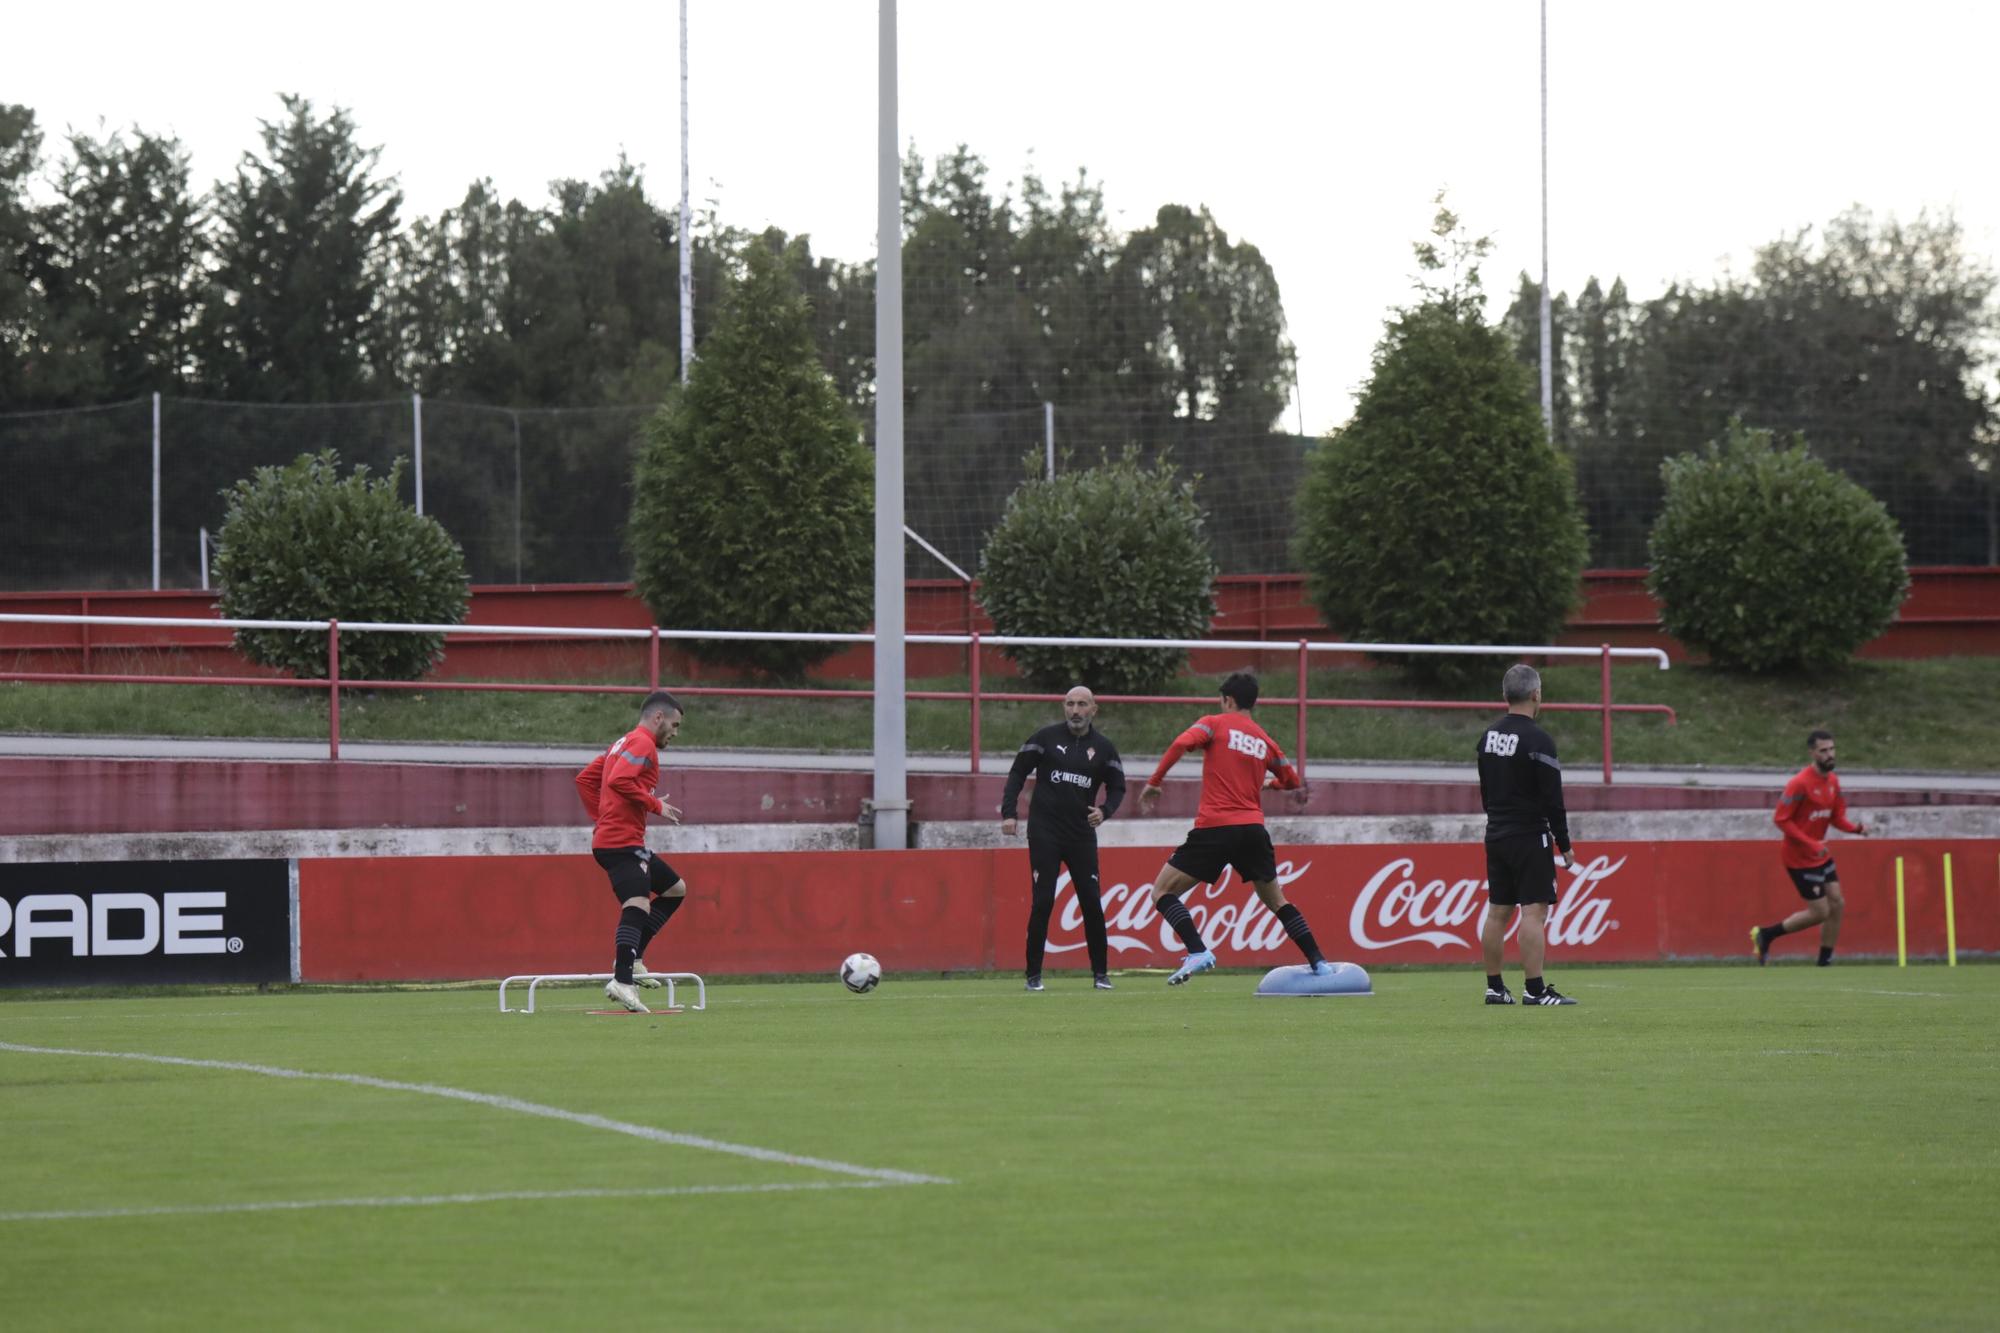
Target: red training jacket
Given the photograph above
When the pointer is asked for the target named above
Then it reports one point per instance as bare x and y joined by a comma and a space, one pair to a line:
621, 803
1236, 753
1811, 802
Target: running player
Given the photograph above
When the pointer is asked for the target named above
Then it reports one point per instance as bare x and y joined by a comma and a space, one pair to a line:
1520, 785
1070, 761
1238, 760
1812, 801
648, 890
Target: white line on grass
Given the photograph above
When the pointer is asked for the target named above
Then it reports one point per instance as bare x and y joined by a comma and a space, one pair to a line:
435, 1200
508, 1104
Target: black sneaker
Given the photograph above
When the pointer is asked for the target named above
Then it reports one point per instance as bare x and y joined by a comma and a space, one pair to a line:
1547, 995
1100, 982
1501, 996
1035, 983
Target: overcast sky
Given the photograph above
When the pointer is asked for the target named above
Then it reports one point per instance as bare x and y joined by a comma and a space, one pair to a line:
1681, 135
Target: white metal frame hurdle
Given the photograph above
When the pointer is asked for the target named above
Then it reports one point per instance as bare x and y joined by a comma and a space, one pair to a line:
535, 979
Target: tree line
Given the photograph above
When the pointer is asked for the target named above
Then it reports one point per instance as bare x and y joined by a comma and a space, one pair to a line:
299, 279
1872, 337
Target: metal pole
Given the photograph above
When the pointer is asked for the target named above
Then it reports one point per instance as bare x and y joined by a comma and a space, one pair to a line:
517, 495
1049, 436
333, 689
417, 432
204, 559
892, 802
156, 492
686, 246
1548, 351
974, 692
1604, 689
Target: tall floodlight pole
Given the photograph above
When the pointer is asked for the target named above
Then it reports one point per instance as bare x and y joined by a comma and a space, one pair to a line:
1548, 352
686, 244
892, 799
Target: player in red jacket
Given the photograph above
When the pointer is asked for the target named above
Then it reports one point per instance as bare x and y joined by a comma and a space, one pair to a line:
1239, 760
619, 790
1812, 804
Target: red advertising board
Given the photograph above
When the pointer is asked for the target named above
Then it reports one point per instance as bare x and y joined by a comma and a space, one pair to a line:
926, 911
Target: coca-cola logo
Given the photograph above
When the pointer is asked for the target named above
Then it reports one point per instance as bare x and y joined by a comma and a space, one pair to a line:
1229, 914
1394, 907
1442, 913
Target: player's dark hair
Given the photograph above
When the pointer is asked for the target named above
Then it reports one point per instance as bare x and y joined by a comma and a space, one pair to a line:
1816, 735
659, 699
1242, 687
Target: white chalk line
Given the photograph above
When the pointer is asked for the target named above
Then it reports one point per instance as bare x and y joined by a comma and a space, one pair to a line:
437, 1200
503, 1103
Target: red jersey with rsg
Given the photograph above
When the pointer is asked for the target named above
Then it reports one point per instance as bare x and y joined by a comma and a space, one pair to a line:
617, 790
1812, 801
1235, 755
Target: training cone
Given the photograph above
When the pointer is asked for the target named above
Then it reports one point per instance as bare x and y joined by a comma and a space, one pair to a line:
1344, 979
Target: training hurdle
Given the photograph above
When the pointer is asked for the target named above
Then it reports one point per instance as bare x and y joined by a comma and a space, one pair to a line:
535, 979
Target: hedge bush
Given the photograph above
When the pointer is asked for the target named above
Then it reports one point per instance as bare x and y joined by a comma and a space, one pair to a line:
303, 543
1441, 514
1765, 559
1114, 551
753, 496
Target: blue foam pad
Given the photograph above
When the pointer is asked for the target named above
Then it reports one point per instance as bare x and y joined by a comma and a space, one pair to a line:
1345, 979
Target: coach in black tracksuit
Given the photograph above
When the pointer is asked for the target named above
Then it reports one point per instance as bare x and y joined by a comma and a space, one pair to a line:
1527, 834
1070, 760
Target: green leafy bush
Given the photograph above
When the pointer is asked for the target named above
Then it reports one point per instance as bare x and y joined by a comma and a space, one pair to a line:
1116, 551
753, 496
1441, 514
1765, 558
302, 543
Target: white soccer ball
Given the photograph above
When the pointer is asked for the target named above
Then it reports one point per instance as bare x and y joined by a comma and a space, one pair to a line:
860, 973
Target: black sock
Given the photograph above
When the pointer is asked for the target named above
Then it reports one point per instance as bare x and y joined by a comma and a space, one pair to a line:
631, 924
1177, 916
1825, 954
1301, 933
1534, 985
1493, 982
1772, 932
663, 909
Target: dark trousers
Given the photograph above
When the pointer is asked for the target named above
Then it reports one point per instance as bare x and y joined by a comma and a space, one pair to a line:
1046, 857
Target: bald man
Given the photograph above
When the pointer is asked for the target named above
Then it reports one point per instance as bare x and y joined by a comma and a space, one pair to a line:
1071, 761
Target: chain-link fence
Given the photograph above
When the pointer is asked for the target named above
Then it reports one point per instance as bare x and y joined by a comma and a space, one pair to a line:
541, 495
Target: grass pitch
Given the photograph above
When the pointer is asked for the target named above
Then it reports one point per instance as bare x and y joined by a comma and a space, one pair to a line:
1705, 1147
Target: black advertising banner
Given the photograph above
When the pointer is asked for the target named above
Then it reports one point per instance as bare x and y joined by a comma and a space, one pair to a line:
125, 923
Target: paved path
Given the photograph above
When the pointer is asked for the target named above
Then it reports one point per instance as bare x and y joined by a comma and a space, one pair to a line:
148, 747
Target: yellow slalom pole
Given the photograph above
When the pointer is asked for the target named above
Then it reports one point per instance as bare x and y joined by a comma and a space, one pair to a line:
1950, 918
1902, 953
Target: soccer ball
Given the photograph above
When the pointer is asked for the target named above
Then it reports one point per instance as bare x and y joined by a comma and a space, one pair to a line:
860, 973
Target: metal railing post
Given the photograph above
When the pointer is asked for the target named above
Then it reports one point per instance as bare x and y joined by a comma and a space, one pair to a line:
653, 661
1604, 691
1301, 756
86, 635
974, 691
333, 689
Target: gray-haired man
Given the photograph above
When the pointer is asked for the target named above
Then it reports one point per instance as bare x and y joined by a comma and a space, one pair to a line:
1520, 783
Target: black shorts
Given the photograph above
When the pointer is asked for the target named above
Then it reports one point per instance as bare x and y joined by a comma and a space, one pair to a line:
1811, 884
1048, 855
635, 872
1520, 869
1245, 846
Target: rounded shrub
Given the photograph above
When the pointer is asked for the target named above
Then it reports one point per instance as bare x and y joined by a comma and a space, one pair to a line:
753, 497
303, 543
1115, 551
1765, 559
1441, 514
